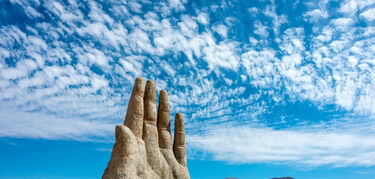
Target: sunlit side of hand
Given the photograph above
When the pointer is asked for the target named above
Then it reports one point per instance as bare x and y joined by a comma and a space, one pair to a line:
143, 147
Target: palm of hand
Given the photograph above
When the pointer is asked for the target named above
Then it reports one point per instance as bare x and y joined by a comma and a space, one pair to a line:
143, 147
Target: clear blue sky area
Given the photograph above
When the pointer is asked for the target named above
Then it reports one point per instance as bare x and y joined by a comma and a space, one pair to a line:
267, 88
29, 158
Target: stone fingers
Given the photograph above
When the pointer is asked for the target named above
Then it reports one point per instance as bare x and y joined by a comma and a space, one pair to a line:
163, 121
150, 131
150, 103
143, 147
179, 140
134, 114
164, 131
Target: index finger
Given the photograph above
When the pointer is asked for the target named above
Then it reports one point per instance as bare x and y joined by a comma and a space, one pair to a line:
134, 114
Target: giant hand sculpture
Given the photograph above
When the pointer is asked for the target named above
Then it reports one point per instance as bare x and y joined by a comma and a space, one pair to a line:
143, 147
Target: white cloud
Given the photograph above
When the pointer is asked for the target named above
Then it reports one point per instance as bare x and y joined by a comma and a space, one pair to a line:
277, 20
260, 67
220, 55
40, 125
101, 33
28, 8
326, 34
168, 68
265, 145
140, 41
260, 29
58, 9
3, 55
222, 30
136, 7
98, 15
342, 21
132, 64
253, 10
93, 56
203, 18
188, 26
369, 14
315, 15
176, 4
350, 7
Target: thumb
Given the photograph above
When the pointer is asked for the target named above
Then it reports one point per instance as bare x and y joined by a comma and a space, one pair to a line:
124, 155
126, 143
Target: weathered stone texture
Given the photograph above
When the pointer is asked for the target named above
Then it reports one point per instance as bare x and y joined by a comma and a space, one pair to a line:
143, 147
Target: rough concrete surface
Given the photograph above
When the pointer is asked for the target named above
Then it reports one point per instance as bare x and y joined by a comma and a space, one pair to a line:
143, 147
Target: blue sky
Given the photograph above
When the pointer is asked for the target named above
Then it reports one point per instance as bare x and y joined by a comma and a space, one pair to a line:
268, 88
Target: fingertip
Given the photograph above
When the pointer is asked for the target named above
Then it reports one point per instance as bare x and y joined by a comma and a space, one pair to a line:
179, 117
163, 95
139, 78
163, 101
179, 122
139, 86
150, 92
150, 103
119, 132
151, 84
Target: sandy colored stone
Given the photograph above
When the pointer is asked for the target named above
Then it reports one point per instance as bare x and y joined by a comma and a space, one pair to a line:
179, 139
164, 122
143, 147
134, 115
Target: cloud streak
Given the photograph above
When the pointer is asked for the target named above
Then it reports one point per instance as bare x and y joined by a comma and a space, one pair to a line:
39, 125
301, 147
